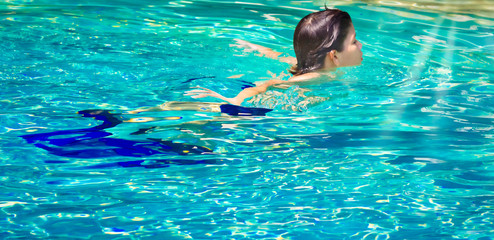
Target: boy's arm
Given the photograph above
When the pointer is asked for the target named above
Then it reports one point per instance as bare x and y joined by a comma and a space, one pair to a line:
264, 51
241, 96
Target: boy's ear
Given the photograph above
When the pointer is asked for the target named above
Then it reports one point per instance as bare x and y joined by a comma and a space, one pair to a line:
332, 55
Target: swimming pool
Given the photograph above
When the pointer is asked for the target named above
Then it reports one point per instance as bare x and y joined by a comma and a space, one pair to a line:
402, 150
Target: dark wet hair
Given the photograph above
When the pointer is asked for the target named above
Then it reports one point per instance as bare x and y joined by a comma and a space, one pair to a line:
316, 35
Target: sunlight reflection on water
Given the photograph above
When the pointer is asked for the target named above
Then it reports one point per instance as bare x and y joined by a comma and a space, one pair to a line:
402, 147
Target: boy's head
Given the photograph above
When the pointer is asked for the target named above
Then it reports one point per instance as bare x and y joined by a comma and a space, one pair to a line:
325, 39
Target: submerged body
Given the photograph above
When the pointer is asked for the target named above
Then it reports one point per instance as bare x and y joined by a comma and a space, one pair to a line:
323, 41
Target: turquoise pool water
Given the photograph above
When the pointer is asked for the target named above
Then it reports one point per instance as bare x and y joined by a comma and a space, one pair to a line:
402, 150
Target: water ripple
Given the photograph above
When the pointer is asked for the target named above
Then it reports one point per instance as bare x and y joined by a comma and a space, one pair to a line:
401, 147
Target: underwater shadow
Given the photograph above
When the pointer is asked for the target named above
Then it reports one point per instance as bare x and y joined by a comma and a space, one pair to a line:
94, 142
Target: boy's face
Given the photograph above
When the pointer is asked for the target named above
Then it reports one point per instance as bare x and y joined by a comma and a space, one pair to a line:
351, 55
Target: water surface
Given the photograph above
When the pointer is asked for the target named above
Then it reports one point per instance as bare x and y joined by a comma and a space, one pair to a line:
402, 150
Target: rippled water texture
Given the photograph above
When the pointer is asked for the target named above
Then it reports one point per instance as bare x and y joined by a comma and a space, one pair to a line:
401, 150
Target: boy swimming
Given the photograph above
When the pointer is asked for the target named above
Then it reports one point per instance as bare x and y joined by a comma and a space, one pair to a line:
323, 41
